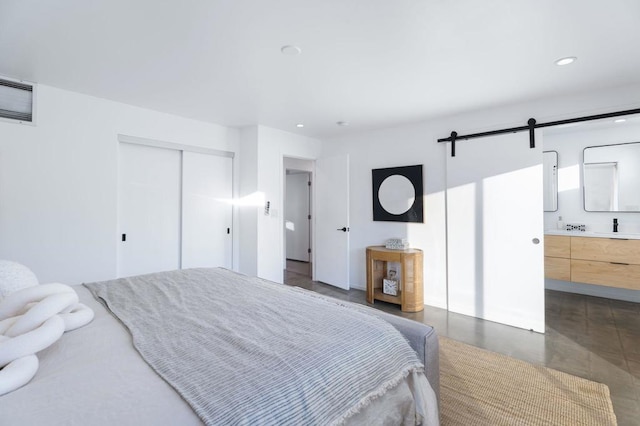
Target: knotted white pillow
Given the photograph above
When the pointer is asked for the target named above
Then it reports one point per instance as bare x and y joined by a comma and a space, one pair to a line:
15, 276
32, 318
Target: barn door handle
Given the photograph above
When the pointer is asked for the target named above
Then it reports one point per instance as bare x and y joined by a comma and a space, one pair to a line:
343, 229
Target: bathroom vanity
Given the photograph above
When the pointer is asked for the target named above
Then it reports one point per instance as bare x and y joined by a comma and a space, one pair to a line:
591, 180
606, 259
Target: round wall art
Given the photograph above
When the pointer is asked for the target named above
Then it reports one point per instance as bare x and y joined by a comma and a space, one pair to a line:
397, 194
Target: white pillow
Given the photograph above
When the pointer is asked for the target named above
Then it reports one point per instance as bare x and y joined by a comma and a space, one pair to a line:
15, 276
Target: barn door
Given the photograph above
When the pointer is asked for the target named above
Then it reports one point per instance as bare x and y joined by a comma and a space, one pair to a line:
495, 230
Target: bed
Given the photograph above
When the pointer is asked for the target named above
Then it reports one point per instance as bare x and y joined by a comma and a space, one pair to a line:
269, 354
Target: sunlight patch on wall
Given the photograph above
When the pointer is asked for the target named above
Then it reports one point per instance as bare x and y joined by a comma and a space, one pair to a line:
256, 199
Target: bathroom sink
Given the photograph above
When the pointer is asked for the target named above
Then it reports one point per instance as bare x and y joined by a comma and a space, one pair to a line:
600, 234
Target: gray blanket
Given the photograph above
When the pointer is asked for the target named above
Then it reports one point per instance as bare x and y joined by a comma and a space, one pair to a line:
242, 350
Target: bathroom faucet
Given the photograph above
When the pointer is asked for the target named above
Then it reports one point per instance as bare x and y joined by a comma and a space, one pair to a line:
615, 225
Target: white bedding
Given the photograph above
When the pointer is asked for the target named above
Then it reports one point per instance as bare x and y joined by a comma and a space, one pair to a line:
94, 376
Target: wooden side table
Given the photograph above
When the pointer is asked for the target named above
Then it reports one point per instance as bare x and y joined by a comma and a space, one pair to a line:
411, 294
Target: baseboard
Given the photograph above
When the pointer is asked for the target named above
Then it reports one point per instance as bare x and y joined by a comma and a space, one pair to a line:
593, 290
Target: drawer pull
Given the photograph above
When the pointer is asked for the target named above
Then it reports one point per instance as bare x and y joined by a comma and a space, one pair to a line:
618, 263
624, 239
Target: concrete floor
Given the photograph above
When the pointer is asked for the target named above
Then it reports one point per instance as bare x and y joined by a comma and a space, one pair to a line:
590, 337
302, 268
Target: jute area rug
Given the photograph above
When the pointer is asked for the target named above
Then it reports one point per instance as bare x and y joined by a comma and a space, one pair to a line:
479, 387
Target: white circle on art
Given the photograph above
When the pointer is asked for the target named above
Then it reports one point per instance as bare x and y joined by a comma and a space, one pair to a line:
396, 194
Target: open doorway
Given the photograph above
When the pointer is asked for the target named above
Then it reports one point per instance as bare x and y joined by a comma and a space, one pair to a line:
298, 222
297, 216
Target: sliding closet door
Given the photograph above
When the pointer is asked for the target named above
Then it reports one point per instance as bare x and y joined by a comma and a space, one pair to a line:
148, 209
495, 230
206, 210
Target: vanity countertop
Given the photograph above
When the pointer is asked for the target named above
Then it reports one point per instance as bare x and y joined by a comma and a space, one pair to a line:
593, 234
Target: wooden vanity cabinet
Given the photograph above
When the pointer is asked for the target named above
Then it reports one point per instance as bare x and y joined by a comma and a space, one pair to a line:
557, 246
619, 250
557, 257
609, 274
612, 262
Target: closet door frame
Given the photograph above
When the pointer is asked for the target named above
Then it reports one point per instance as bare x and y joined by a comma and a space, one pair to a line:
172, 145
154, 143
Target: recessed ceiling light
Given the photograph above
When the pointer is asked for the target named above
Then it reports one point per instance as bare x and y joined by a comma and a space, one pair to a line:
342, 123
620, 120
299, 125
290, 50
566, 61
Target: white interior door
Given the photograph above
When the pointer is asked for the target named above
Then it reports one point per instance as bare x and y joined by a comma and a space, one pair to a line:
494, 218
332, 221
206, 210
297, 216
148, 209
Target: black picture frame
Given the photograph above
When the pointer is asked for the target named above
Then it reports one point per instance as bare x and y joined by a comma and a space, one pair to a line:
415, 213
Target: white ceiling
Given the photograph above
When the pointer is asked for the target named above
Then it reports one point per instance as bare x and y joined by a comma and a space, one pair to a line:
373, 63
595, 125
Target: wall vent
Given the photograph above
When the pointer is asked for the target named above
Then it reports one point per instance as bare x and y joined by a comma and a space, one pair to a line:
16, 100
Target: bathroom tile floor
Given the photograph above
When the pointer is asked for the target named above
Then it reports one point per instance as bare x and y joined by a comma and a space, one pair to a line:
590, 337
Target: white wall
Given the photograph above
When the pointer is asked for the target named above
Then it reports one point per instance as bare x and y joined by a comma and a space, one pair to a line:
570, 144
58, 180
247, 211
266, 148
58, 183
299, 164
417, 144
403, 146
